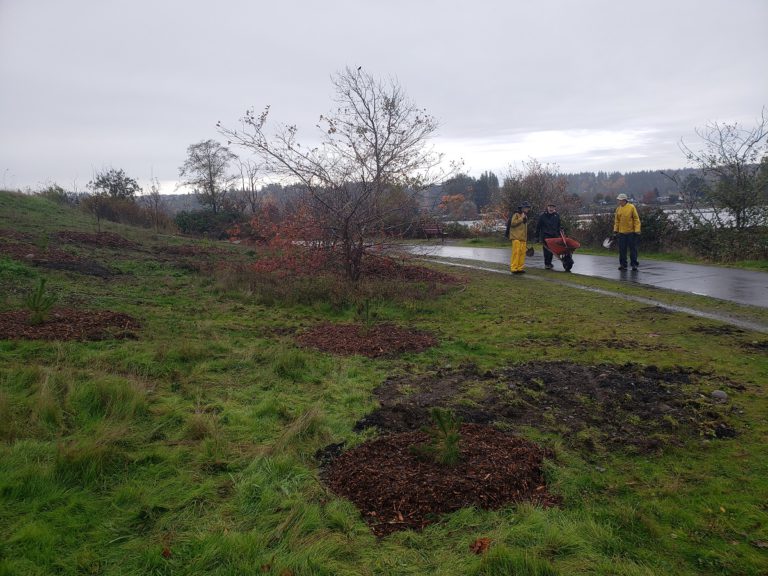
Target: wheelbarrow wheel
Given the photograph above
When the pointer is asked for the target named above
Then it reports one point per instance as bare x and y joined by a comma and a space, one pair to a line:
567, 262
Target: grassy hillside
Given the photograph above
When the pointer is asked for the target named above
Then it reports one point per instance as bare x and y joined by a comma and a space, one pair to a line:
190, 446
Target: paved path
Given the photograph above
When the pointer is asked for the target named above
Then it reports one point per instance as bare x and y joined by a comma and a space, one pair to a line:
740, 286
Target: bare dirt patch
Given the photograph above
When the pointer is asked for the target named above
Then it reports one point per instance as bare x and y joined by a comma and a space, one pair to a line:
633, 407
15, 235
53, 258
379, 340
395, 488
101, 239
720, 330
68, 324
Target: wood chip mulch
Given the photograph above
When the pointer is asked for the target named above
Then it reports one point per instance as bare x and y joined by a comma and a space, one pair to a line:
383, 267
397, 489
379, 340
68, 324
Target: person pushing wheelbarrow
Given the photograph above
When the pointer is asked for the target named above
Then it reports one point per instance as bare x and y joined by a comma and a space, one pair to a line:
549, 230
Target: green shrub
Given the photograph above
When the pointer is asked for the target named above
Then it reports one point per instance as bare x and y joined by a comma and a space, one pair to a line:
592, 233
39, 303
443, 445
206, 223
724, 245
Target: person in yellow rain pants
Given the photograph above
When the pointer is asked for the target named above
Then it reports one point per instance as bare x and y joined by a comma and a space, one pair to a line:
517, 231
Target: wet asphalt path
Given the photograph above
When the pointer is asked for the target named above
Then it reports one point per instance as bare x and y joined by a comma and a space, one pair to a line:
740, 286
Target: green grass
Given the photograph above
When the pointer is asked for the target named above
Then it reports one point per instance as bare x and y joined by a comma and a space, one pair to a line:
190, 450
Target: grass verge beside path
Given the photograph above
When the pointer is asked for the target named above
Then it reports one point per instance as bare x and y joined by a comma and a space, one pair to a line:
667, 297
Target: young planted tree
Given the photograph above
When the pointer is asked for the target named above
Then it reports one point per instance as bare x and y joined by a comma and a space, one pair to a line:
372, 145
206, 171
733, 192
154, 204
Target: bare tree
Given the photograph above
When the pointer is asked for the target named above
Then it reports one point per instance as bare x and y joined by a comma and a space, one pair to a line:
249, 175
537, 183
206, 172
153, 201
372, 144
734, 165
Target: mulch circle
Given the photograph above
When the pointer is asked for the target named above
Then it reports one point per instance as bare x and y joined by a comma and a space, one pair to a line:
384, 267
68, 324
379, 340
395, 488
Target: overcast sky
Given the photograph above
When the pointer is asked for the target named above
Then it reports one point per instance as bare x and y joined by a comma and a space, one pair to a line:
587, 84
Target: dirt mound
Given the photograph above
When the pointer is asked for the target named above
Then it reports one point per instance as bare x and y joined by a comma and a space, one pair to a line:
592, 407
395, 488
102, 239
189, 250
68, 324
29, 252
15, 235
382, 267
88, 267
52, 258
379, 340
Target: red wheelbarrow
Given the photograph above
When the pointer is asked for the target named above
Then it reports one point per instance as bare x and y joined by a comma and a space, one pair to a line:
563, 248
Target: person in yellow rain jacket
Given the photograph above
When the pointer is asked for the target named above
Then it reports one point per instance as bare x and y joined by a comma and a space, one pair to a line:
517, 231
626, 227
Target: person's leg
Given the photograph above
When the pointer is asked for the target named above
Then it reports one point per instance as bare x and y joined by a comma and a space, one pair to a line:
623, 250
518, 256
633, 250
513, 256
547, 255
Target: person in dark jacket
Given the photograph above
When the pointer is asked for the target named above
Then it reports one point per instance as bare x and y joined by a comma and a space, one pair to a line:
549, 226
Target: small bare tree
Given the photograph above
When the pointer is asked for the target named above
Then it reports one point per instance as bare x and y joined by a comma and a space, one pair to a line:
373, 143
537, 183
153, 202
206, 171
733, 192
249, 176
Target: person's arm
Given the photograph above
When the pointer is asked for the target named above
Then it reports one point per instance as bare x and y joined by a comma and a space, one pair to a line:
616, 221
636, 223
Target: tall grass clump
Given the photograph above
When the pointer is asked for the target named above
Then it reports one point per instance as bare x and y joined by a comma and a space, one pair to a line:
501, 561
309, 428
7, 419
47, 403
200, 426
87, 460
108, 397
